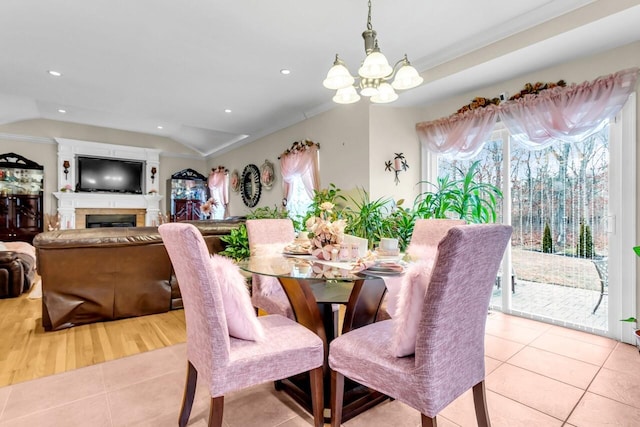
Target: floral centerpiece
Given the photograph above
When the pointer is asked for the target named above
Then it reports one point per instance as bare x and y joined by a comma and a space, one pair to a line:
326, 231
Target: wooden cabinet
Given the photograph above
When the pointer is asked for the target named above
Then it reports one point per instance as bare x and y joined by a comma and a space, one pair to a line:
187, 192
20, 198
187, 209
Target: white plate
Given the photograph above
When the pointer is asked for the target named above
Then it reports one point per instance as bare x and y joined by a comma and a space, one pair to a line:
296, 253
388, 257
382, 269
371, 272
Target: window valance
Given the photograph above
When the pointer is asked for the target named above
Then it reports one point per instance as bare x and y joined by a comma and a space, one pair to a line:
301, 162
569, 114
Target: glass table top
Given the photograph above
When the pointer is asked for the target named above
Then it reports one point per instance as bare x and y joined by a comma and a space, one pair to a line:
301, 267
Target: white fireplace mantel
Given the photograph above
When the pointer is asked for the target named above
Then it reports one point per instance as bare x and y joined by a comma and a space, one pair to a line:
68, 202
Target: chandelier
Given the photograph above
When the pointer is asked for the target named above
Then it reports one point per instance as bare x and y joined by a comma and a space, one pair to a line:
373, 76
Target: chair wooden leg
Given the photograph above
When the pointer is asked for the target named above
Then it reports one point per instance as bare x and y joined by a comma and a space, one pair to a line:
189, 393
480, 402
317, 396
215, 411
428, 421
337, 394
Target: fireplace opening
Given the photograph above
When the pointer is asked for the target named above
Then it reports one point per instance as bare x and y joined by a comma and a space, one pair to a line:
112, 220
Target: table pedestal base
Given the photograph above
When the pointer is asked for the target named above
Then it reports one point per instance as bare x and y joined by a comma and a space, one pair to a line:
311, 301
357, 398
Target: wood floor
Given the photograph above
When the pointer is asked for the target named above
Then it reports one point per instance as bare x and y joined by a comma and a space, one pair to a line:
27, 352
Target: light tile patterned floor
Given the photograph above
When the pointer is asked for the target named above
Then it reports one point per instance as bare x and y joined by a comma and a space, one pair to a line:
537, 375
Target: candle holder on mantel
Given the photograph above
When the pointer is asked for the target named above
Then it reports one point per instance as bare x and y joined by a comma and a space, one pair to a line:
399, 164
66, 165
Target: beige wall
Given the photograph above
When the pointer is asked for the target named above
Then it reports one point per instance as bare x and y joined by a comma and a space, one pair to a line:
33, 139
392, 130
344, 153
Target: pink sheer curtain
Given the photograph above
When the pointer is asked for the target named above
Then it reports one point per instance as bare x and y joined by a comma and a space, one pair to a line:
301, 164
219, 185
462, 135
568, 114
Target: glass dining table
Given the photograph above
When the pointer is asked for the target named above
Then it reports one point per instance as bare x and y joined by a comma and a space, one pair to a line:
313, 287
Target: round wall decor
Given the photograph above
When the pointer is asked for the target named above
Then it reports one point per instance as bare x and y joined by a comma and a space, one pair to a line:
235, 181
250, 186
267, 174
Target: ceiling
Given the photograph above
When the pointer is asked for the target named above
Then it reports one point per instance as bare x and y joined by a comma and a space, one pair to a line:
137, 65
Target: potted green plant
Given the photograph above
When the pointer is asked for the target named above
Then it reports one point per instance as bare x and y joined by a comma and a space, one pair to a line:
636, 330
236, 243
633, 320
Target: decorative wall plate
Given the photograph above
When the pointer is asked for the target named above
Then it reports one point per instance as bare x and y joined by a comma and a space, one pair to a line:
234, 181
250, 186
267, 174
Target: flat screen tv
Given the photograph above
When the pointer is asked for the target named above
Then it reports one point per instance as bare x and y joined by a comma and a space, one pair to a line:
114, 175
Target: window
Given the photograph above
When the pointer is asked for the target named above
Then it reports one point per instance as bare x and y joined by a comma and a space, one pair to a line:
217, 211
299, 201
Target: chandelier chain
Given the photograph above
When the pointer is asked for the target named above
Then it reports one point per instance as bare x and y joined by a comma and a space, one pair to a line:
369, 26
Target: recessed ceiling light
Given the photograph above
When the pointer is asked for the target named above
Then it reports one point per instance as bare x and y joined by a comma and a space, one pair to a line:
55, 73
227, 110
160, 127
62, 111
285, 71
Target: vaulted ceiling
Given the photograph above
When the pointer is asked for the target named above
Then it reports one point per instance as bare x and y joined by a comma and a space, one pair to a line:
145, 64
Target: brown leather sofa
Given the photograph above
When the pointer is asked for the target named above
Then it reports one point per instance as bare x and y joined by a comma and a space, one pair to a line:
98, 274
16, 273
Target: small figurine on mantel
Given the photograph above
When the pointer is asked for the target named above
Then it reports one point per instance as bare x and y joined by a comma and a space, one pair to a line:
399, 164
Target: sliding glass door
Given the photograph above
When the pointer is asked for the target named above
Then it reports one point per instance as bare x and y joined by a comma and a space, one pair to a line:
559, 202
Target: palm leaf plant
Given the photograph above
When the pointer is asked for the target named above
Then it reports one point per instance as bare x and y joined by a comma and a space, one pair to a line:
401, 222
465, 198
367, 218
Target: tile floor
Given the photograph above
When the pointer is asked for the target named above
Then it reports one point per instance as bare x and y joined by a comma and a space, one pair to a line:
537, 375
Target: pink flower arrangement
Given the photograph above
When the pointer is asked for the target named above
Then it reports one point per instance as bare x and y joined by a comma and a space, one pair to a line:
326, 232
66, 188
208, 206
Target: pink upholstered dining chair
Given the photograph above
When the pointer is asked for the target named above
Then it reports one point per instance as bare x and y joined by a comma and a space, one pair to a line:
449, 344
227, 363
427, 233
269, 236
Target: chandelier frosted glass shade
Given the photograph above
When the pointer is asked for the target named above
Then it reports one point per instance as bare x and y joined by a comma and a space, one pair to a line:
338, 76
375, 66
346, 95
407, 77
385, 94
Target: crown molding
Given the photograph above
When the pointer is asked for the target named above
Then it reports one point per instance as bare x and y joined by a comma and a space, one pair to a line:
47, 140
27, 138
